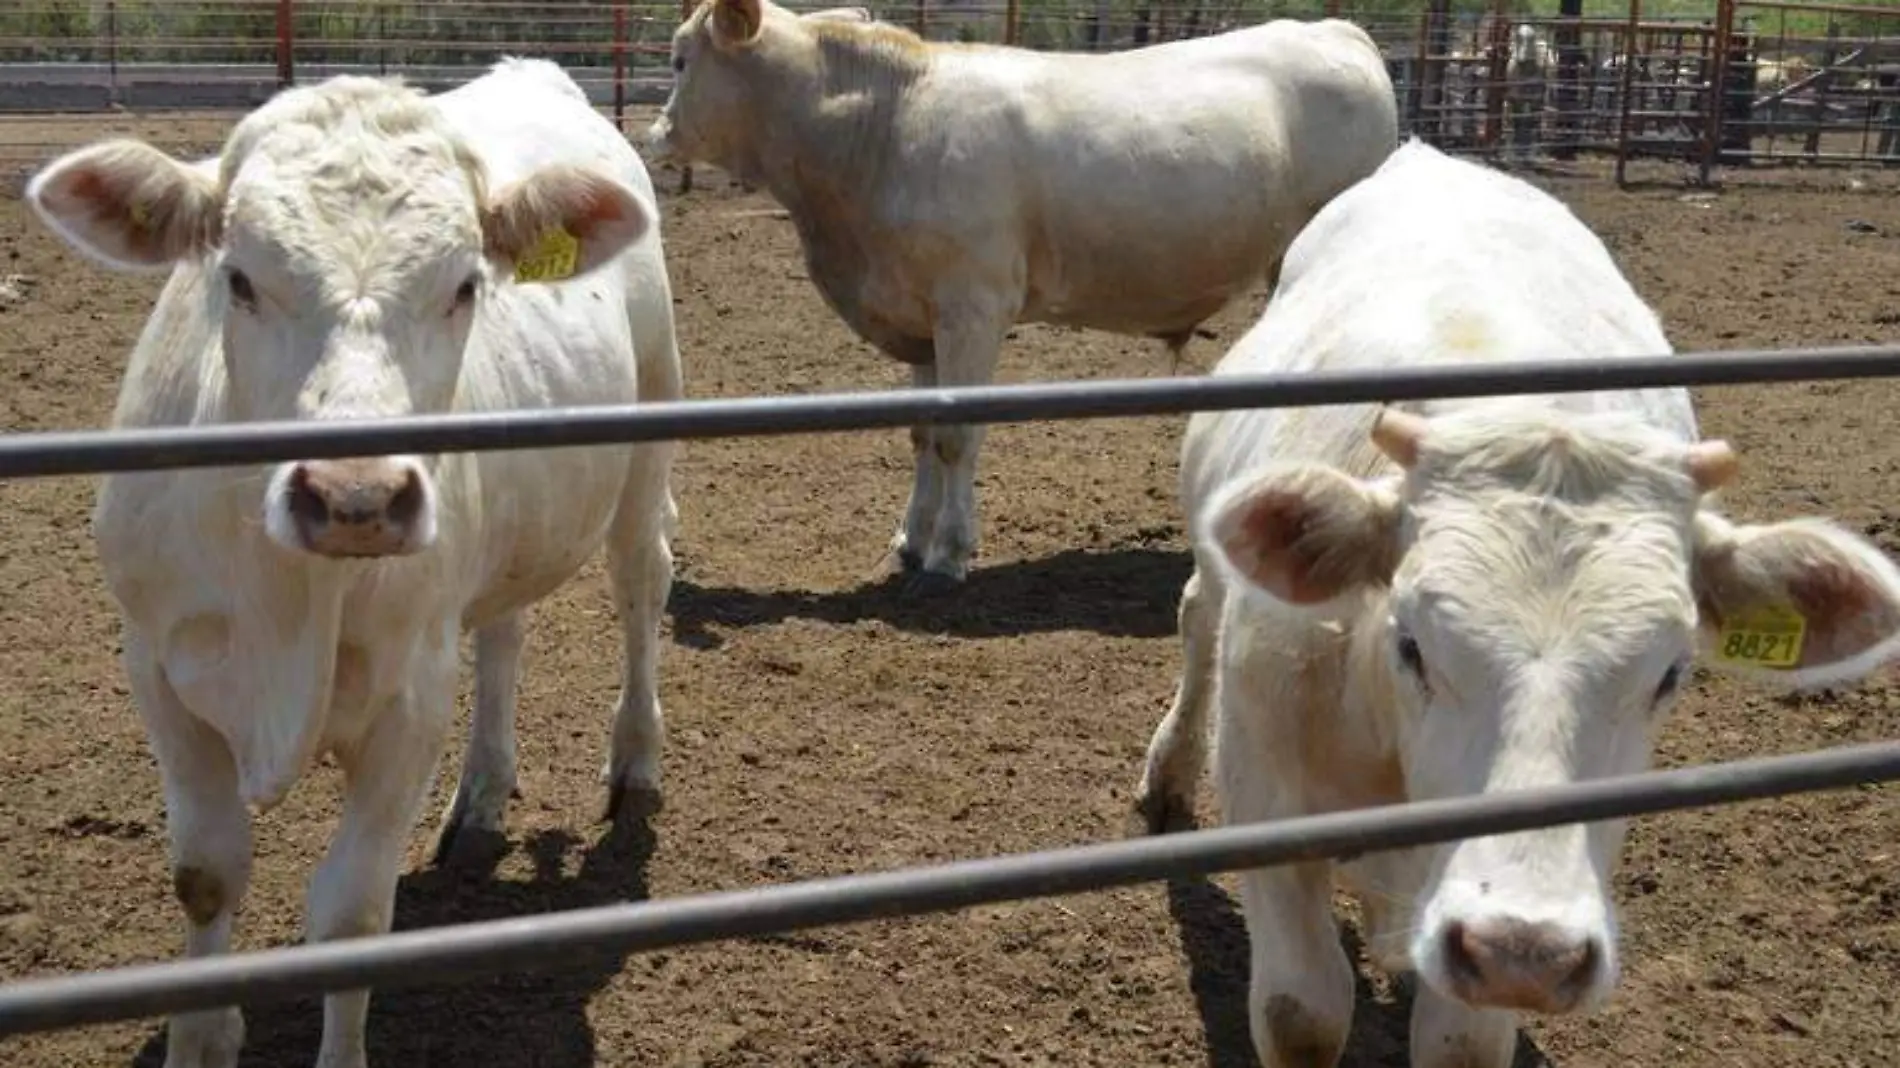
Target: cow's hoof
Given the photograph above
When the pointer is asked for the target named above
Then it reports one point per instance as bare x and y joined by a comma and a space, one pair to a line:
631, 799
1161, 812
909, 561
929, 584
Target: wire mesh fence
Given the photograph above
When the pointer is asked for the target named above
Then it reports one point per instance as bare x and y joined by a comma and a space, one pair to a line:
1707, 82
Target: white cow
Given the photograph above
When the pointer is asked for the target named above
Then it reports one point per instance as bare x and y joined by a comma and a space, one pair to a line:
1464, 596
943, 193
360, 249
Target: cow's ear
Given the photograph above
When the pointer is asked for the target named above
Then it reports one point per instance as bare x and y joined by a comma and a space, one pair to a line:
736, 23
562, 221
1305, 534
1802, 602
127, 205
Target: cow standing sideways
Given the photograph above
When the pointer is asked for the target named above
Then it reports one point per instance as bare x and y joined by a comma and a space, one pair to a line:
1461, 597
943, 193
360, 249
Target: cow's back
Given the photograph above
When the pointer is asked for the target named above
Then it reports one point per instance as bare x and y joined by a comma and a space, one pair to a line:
1494, 270
1149, 187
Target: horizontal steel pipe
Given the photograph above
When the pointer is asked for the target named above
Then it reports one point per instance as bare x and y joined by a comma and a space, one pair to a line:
157, 448
476, 950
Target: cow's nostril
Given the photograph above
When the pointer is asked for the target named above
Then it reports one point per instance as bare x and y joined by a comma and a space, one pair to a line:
406, 506
307, 507
1462, 953
1584, 973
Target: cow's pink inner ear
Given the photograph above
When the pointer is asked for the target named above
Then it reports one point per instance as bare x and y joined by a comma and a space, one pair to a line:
602, 215
1844, 589
128, 204
737, 21
1307, 536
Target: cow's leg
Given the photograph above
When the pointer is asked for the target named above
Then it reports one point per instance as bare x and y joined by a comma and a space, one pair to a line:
1178, 749
209, 830
387, 772
969, 336
488, 764
1447, 1033
926, 487
640, 565
1300, 992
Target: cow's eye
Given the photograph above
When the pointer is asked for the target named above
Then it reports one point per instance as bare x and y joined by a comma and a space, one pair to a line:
465, 294
679, 64
241, 290
1670, 681
1409, 655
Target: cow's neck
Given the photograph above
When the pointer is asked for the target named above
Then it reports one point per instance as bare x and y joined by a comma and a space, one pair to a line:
831, 109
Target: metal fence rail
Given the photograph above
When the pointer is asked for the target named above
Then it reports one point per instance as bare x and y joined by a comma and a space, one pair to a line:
477, 950
464, 952
159, 448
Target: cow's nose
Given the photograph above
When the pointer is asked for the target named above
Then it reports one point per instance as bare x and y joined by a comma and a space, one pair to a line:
1513, 964
358, 507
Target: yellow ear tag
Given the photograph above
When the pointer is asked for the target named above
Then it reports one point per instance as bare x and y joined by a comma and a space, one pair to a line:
1768, 636
140, 217
552, 258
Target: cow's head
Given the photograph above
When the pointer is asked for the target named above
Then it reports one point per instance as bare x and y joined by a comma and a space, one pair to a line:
726, 57
1542, 587
349, 241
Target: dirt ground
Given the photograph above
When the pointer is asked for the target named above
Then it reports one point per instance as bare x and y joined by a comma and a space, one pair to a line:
822, 725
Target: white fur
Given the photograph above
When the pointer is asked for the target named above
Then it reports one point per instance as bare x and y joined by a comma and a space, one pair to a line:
944, 193
351, 207
1551, 556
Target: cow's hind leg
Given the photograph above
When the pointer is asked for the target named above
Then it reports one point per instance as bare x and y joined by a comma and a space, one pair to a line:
969, 338
209, 829
1178, 749
640, 565
387, 773
926, 487
488, 764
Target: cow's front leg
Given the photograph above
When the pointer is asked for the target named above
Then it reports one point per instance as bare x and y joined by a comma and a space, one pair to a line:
209, 829
968, 337
1447, 1033
1300, 993
488, 765
926, 489
387, 772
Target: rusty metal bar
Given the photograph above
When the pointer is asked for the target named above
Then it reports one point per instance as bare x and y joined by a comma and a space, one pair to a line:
620, 66
1718, 82
1629, 78
286, 44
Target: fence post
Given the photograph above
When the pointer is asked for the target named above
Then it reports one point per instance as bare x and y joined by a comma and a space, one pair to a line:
1629, 73
1332, 9
620, 67
1828, 59
1569, 72
921, 17
686, 170
286, 44
1718, 86
1012, 21
112, 46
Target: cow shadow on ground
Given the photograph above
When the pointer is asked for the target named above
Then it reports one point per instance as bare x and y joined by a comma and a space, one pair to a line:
1214, 938
520, 1018
1127, 593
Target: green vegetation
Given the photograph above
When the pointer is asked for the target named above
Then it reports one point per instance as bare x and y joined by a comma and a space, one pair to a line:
580, 32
